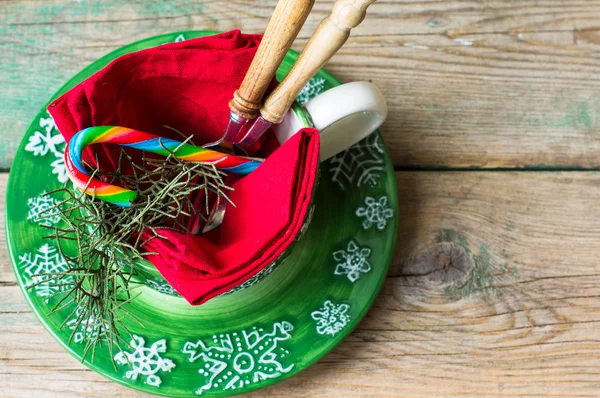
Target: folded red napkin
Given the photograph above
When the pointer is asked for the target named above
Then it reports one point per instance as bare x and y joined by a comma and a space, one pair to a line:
187, 86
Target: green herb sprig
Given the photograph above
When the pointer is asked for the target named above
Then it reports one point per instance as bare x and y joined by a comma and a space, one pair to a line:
101, 242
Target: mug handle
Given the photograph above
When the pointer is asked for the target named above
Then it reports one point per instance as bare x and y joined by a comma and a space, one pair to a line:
346, 114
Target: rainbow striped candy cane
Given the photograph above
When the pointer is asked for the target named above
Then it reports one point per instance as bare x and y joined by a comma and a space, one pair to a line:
146, 142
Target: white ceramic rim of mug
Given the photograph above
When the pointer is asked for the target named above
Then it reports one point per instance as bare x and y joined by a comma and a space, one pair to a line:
344, 115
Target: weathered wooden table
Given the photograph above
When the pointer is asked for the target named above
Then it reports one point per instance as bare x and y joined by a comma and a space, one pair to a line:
494, 130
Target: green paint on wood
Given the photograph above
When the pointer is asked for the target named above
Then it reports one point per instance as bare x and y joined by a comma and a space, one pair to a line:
487, 272
452, 236
550, 167
162, 9
437, 22
582, 114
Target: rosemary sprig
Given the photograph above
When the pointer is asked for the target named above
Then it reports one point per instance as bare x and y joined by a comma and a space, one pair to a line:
101, 242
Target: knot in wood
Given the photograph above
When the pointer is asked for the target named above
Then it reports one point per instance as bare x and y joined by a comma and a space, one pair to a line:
441, 265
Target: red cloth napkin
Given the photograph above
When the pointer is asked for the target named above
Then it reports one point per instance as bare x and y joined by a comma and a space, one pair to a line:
187, 86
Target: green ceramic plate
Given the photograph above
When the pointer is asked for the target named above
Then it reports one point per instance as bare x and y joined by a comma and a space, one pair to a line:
242, 341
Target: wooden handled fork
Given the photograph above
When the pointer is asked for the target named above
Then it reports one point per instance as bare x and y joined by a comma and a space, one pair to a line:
327, 39
285, 23
287, 20
283, 27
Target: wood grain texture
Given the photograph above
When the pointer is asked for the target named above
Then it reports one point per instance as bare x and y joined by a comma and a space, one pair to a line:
494, 291
327, 39
493, 83
495, 285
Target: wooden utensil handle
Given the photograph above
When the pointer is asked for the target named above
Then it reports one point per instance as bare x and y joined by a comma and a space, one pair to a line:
329, 36
283, 27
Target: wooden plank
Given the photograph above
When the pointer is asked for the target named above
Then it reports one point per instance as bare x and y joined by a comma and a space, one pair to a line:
469, 83
494, 291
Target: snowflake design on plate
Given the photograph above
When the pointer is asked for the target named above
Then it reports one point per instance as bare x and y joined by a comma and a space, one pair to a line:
41, 266
352, 261
59, 168
375, 212
235, 360
49, 140
42, 209
331, 318
360, 164
87, 329
313, 88
163, 287
145, 361
307, 221
262, 274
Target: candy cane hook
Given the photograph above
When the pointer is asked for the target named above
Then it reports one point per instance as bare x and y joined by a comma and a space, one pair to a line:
131, 138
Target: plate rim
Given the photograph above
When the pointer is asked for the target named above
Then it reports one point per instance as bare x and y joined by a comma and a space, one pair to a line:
341, 337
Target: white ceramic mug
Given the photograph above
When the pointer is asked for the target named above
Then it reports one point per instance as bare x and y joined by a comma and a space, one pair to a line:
344, 115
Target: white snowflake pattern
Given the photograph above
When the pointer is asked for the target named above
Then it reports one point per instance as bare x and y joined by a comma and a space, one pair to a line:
47, 123
352, 261
42, 268
360, 164
375, 212
41, 143
179, 38
313, 88
59, 168
49, 141
236, 360
307, 221
145, 361
162, 286
87, 329
331, 318
42, 209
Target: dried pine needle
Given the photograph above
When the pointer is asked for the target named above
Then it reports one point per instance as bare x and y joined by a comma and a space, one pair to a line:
101, 242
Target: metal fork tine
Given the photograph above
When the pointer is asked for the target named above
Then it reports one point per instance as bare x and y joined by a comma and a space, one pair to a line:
216, 216
284, 25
